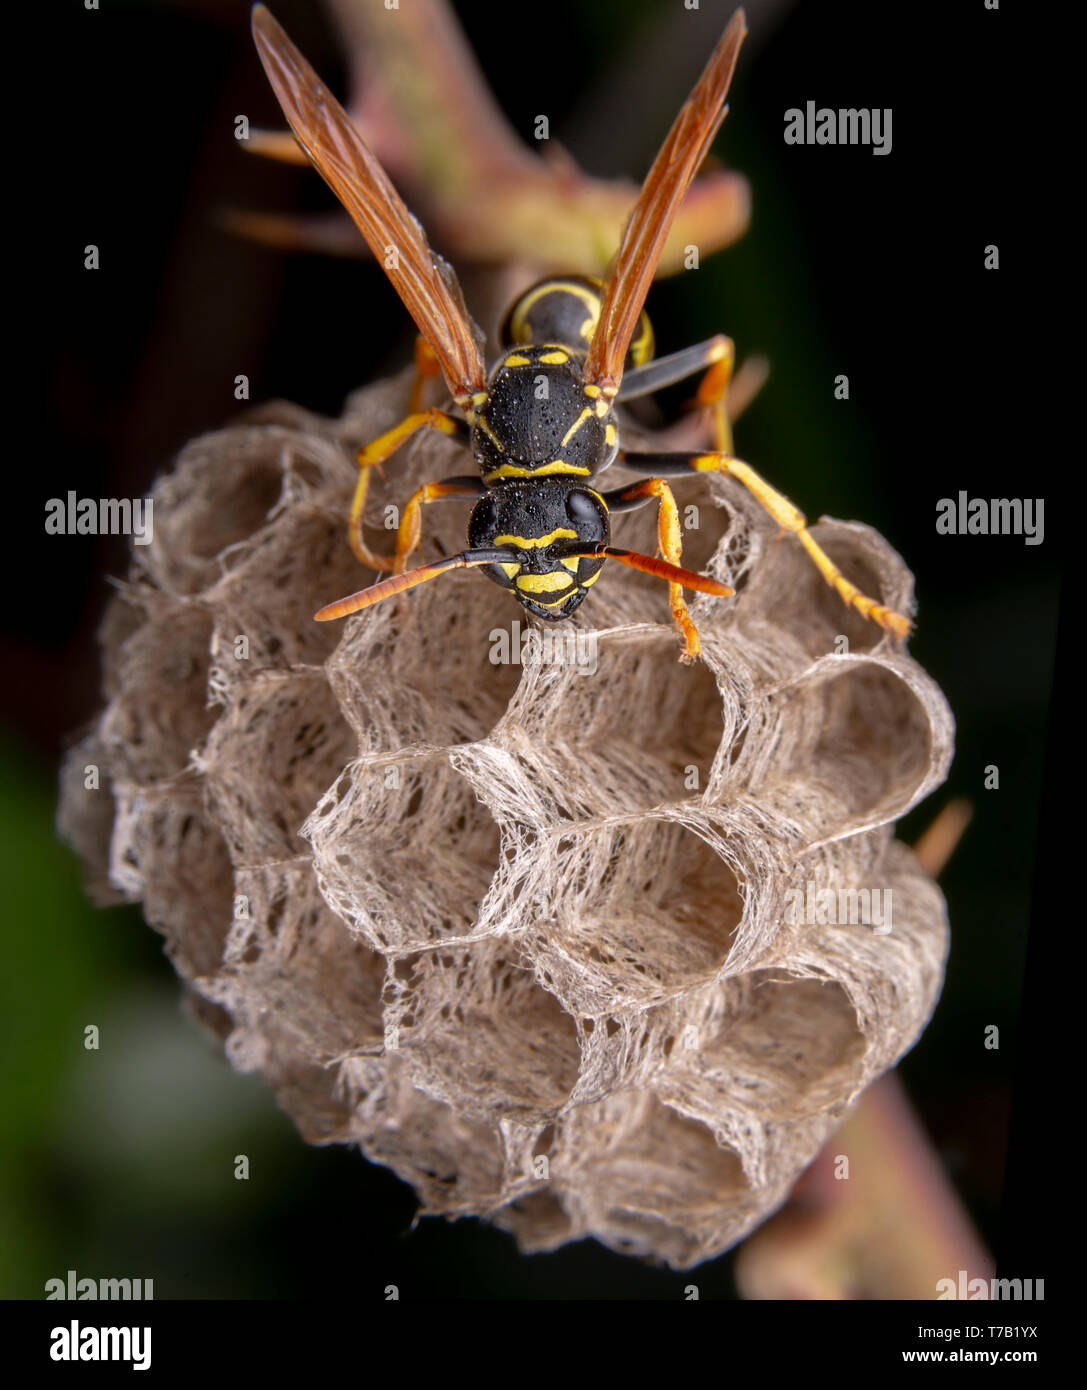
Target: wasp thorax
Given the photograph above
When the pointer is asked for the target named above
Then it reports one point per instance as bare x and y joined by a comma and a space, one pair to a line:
540, 418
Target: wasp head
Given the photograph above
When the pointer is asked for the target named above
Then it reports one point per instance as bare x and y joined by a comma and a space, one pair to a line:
542, 521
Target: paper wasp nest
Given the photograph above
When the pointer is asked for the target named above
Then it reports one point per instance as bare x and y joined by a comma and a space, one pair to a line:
546, 940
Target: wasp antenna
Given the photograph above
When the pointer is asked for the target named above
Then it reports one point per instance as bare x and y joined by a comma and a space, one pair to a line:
650, 564
397, 583
674, 574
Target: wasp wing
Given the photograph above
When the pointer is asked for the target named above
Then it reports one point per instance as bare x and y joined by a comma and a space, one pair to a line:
425, 282
651, 219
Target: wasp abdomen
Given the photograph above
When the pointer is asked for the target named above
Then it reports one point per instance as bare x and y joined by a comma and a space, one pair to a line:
566, 309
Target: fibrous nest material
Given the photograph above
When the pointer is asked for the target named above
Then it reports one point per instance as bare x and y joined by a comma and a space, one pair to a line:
537, 934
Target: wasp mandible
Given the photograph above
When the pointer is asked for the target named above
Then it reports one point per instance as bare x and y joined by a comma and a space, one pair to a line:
542, 424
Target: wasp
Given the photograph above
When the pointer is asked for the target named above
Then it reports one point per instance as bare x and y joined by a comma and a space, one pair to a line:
542, 423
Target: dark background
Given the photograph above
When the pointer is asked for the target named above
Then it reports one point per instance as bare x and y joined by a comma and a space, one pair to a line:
119, 1162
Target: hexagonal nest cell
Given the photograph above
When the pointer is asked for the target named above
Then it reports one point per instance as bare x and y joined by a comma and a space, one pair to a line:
533, 930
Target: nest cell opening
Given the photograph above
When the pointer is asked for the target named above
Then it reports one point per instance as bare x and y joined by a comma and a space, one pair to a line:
219, 496
792, 1049
653, 740
665, 1188
290, 722
379, 821
289, 950
475, 1025
648, 911
151, 740
854, 747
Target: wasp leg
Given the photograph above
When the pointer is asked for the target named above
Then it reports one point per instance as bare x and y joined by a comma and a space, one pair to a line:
373, 455
410, 529
788, 517
712, 396
669, 538
677, 366
426, 367
745, 385
723, 391
726, 394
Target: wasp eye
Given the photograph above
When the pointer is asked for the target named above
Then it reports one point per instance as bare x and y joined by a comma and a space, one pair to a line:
582, 507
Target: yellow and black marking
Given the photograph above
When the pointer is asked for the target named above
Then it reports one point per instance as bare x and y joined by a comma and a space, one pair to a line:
564, 533
538, 521
556, 466
586, 414
566, 309
540, 419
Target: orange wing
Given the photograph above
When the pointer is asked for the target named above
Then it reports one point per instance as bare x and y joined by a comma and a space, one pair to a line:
662, 193
425, 282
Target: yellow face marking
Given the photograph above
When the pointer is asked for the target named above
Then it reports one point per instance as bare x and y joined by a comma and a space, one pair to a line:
543, 583
571, 562
514, 470
481, 421
511, 570
554, 359
586, 414
592, 578
517, 359
553, 602
561, 533
610, 435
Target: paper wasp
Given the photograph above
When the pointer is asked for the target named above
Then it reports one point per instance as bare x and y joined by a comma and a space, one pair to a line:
542, 423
